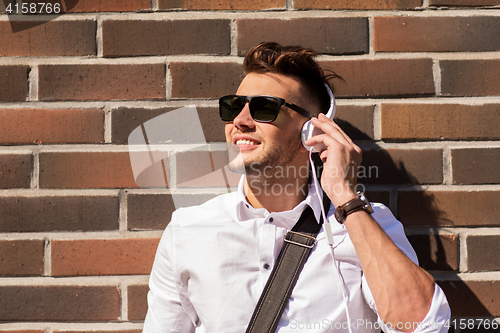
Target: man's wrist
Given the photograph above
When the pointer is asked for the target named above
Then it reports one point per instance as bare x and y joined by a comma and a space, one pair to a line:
359, 203
340, 195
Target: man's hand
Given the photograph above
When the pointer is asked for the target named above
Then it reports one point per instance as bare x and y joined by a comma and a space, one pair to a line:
402, 290
340, 161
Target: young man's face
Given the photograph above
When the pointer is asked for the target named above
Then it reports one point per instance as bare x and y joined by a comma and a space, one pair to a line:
269, 144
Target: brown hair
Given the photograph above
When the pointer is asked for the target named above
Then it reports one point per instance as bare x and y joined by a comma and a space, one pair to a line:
297, 61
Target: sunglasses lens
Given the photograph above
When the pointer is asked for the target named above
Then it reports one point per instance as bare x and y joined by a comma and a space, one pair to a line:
264, 108
230, 107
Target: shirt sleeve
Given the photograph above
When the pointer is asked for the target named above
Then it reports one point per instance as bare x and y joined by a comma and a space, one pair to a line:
439, 313
166, 304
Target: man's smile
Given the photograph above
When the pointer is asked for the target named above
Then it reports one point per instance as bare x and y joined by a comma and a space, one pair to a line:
246, 143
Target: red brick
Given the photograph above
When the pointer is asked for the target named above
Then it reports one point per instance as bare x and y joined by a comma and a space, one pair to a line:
101, 82
212, 125
202, 169
125, 120
483, 253
440, 121
476, 166
14, 83
51, 126
154, 211
357, 4
205, 80
59, 303
436, 34
86, 170
137, 302
221, 5
53, 213
356, 121
102, 6
399, 166
472, 298
443, 208
15, 171
464, 3
383, 77
103, 257
137, 37
436, 252
470, 77
21, 258
322, 34
379, 196
52, 38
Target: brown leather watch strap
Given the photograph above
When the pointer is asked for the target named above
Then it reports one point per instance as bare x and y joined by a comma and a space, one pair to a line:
349, 207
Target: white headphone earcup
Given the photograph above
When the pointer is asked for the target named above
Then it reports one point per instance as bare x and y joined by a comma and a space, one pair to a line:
306, 133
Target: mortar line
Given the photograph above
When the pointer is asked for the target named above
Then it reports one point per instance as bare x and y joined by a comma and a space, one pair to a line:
436, 70
155, 6
144, 60
123, 211
33, 78
371, 35
172, 162
47, 257
87, 281
107, 125
71, 326
35, 169
123, 290
274, 13
233, 26
447, 166
212, 102
99, 36
462, 243
83, 235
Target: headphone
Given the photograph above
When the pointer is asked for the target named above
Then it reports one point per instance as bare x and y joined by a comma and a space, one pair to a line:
308, 130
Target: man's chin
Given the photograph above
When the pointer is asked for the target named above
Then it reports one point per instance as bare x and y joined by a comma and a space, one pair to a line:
249, 168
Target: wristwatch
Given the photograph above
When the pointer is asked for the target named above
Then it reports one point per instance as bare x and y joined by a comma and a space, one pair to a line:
351, 206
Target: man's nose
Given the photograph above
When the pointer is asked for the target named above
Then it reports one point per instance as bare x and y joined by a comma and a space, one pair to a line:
244, 118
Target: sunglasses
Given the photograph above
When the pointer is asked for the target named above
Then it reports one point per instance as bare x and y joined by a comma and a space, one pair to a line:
263, 109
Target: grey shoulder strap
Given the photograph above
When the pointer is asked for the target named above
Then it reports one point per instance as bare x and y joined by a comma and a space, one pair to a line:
298, 244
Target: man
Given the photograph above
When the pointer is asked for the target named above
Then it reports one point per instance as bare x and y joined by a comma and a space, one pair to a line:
214, 260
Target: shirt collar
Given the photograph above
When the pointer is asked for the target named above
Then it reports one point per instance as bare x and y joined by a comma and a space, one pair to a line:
245, 211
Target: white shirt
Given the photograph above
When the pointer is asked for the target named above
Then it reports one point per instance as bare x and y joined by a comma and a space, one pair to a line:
213, 261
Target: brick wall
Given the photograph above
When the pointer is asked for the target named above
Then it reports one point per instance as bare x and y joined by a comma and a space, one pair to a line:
78, 237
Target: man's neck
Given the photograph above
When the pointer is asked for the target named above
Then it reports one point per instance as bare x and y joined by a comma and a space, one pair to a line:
275, 195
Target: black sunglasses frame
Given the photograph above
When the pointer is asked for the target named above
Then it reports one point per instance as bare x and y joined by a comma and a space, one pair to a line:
249, 99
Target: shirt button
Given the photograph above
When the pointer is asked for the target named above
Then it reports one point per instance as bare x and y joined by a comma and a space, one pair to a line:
266, 266
271, 219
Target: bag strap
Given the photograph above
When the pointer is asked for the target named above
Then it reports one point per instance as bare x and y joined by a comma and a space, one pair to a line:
297, 247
